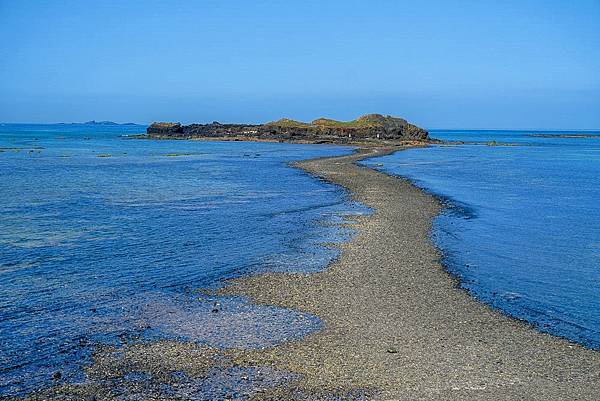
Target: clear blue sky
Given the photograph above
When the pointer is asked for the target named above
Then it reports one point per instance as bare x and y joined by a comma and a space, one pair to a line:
451, 64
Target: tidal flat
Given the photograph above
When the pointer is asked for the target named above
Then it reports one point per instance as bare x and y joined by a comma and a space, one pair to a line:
110, 252
395, 326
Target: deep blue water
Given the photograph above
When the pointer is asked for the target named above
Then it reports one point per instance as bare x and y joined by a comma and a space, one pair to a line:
106, 240
522, 226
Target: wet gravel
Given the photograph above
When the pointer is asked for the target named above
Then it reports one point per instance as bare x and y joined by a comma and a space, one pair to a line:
397, 324
395, 327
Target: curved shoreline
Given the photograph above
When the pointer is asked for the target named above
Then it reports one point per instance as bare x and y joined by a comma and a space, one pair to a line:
396, 324
454, 206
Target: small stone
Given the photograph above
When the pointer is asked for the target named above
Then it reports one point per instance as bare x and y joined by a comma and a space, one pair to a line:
392, 350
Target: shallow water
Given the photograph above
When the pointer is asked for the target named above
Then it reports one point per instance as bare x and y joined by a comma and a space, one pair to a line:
522, 227
106, 240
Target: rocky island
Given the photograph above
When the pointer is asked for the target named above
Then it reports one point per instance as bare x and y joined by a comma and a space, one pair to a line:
370, 128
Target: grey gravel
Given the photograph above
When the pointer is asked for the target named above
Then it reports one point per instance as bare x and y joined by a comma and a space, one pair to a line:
396, 327
389, 291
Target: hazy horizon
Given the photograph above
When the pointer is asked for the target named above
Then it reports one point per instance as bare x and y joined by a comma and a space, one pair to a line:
542, 129
441, 65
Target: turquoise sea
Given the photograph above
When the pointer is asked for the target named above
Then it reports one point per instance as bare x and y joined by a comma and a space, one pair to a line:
106, 240
521, 227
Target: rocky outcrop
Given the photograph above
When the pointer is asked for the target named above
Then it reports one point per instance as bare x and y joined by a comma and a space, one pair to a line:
212, 130
166, 129
368, 128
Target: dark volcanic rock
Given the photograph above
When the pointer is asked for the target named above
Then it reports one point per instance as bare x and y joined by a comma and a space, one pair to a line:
213, 130
370, 127
168, 129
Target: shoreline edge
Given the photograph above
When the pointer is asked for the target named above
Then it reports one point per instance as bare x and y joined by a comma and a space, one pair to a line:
396, 324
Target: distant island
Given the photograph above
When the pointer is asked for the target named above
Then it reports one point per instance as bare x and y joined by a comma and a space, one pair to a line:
564, 135
365, 129
93, 122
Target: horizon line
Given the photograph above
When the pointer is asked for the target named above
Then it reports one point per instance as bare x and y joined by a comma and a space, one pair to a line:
426, 128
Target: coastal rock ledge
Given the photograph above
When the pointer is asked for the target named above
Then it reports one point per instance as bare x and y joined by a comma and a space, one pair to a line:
368, 128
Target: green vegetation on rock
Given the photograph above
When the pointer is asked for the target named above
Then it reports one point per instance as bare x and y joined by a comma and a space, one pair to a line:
366, 121
286, 122
370, 127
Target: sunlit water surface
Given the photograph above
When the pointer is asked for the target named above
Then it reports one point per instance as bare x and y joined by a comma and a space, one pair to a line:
522, 226
107, 240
